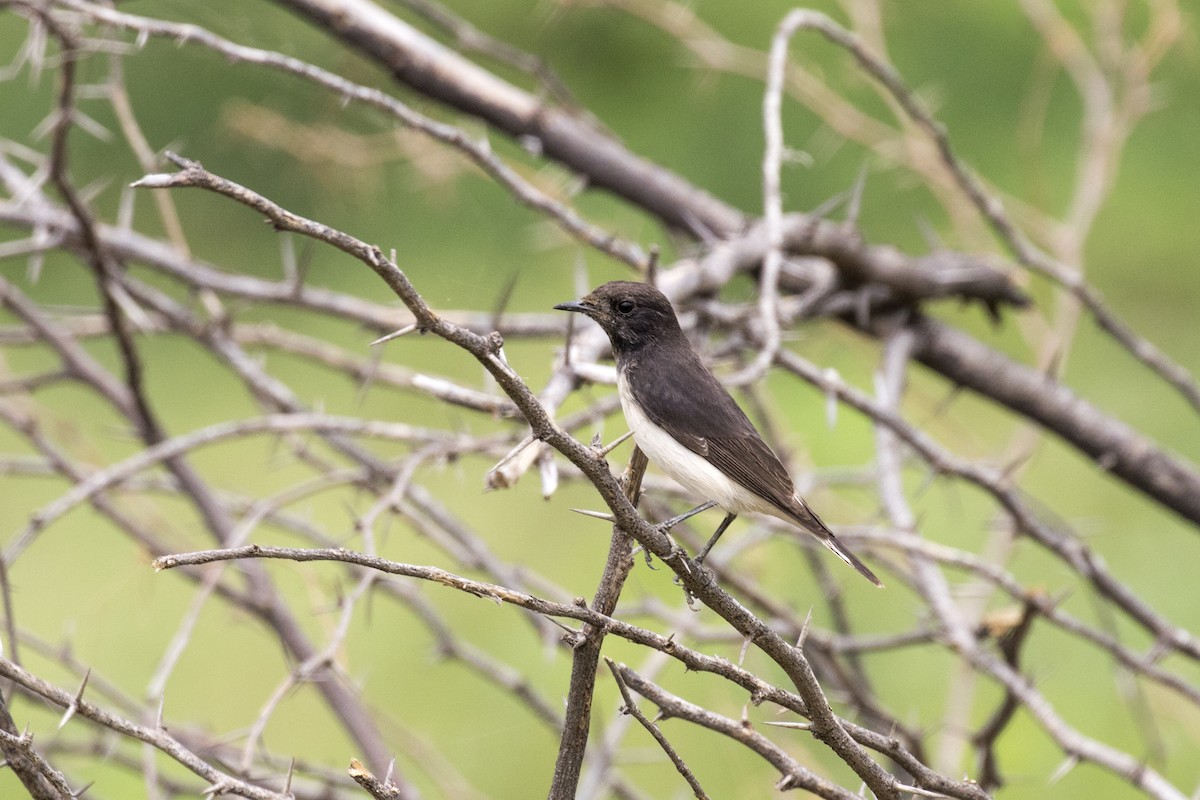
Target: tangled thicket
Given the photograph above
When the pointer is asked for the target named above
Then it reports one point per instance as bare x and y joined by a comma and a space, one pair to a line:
815, 675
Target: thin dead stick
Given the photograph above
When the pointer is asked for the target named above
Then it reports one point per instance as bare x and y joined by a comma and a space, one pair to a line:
151, 456
793, 773
631, 708
160, 739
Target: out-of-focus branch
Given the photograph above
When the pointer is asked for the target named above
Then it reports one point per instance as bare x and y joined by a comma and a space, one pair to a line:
954, 274
170, 448
1114, 446
470, 38
1011, 635
479, 152
992, 209
451, 79
1072, 551
445, 75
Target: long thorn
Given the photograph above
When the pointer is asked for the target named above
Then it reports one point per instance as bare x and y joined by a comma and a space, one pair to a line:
608, 448
407, 329
596, 514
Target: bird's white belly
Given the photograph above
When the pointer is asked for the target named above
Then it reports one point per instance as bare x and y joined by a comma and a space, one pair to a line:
686, 468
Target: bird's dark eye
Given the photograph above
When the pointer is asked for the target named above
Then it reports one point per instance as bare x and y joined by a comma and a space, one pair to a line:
625, 307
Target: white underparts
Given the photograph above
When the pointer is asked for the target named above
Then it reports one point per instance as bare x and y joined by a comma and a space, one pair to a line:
686, 468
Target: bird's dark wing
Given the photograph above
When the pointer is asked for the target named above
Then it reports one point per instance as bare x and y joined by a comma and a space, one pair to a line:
682, 397
749, 461
678, 394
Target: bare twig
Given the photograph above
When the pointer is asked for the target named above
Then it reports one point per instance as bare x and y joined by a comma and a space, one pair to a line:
157, 738
631, 708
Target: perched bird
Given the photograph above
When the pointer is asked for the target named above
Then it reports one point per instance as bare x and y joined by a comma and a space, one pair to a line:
685, 421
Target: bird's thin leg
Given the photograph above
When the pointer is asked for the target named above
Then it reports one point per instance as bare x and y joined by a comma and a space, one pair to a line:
730, 517
673, 521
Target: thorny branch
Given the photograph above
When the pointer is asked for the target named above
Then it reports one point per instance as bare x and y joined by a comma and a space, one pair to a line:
585, 658
147, 292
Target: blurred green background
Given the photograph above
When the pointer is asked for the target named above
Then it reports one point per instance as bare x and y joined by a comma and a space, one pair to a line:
461, 239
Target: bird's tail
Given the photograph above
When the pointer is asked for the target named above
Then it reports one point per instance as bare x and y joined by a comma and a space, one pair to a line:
808, 518
845, 555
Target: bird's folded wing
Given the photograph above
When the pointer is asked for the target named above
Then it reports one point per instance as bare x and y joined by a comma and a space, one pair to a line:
686, 401
749, 461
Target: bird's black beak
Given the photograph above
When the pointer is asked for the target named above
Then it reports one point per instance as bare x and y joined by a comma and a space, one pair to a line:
576, 305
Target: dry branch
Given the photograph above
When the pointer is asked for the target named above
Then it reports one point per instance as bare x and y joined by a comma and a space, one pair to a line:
146, 292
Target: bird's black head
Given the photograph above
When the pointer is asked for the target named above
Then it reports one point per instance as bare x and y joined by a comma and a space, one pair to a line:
632, 314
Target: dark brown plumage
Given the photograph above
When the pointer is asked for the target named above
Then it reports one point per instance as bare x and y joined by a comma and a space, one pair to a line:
667, 389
